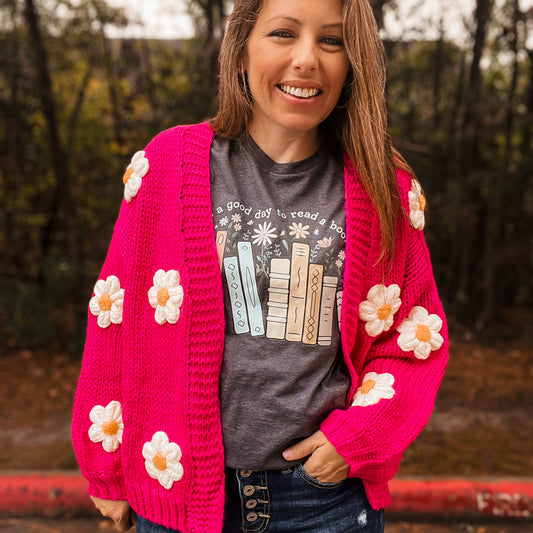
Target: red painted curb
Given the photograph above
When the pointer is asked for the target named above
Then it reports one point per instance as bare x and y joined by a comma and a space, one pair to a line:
64, 494
463, 497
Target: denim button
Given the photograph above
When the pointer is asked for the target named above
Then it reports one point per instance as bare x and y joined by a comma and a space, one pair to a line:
248, 490
252, 517
246, 473
251, 504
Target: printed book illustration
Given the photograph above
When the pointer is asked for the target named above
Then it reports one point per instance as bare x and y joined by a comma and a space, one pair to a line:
303, 268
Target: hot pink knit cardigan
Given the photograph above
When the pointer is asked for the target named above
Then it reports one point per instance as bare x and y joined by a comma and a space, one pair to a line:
149, 379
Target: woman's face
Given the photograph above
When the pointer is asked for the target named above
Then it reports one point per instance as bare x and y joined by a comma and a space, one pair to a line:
296, 64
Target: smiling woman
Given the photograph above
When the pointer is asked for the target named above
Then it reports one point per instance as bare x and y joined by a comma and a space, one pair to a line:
277, 384
296, 67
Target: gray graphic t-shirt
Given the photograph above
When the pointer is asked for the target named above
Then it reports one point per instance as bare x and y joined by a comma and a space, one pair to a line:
280, 235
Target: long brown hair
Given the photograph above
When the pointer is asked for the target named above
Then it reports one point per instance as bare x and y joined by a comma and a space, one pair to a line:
358, 125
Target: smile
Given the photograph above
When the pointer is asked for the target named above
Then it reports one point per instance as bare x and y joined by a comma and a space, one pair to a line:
299, 92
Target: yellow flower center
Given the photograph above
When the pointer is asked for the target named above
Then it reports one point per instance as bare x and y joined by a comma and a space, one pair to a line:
105, 303
110, 427
162, 296
422, 202
423, 333
367, 386
384, 311
160, 461
127, 175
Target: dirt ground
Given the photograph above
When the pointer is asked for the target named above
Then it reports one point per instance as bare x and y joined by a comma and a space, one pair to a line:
482, 422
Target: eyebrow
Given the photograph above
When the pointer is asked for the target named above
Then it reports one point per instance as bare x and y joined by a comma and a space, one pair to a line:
299, 23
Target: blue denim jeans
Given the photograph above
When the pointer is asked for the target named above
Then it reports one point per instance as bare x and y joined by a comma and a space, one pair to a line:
291, 501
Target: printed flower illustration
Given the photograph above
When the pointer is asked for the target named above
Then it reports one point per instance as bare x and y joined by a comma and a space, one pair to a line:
264, 234
375, 387
419, 333
134, 174
107, 301
236, 217
342, 255
339, 263
299, 230
417, 205
379, 308
325, 242
166, 296
107, 425
162, 460
237, 226
224, 221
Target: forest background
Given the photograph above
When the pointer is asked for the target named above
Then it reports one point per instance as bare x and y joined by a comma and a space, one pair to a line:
75, 104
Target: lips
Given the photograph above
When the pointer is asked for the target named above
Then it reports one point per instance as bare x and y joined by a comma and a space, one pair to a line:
300, 92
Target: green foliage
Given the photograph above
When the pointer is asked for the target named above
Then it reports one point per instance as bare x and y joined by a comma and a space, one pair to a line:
112, 96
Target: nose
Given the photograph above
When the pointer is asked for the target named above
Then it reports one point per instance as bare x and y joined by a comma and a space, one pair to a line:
304, 56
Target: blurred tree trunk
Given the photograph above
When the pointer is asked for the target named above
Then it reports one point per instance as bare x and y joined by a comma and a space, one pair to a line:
13, 251
469, 236
111, 77
61, 213
212, 14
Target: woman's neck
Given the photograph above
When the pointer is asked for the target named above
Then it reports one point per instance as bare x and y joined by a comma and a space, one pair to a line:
283, 146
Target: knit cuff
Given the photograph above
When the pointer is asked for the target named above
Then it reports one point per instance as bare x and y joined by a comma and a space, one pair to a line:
109, 486
362, 449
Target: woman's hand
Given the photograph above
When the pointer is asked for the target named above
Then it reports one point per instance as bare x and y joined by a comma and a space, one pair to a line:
119, 511
324, 463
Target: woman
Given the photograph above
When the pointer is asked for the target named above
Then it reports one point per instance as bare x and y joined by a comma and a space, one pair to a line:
266, 338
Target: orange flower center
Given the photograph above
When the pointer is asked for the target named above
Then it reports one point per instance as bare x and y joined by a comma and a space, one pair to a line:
162, 296
384, 311
127, 175
422, 202
110, 427
160, 461
105, 303
367, 386
423, 333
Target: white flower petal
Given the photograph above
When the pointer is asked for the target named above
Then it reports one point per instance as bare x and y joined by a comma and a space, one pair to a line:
423, 350
110, 443
172, 313
96, 434
160, 315
160, 279
104, 319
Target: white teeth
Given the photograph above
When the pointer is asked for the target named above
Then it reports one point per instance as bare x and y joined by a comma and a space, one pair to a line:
298, 91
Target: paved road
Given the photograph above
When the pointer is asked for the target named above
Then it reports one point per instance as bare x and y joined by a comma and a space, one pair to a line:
16, 525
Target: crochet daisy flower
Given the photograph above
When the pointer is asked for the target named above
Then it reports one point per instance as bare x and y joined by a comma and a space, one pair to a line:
162, 460
379, 308
107, 301
299, 230
166, 296
375, 387
419, 333
134, 174
417, 204
107, 425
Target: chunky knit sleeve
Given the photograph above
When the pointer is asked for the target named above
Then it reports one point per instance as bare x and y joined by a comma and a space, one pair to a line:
400, 353
97, 426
